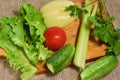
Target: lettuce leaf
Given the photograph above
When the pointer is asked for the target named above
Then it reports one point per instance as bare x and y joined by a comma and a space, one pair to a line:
15, 54
35, 21
22, 37
36, 28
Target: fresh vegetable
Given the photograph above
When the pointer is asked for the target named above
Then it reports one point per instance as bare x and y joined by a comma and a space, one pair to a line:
99, 68
22, 38
106, 33
54, 14
110, 36
61, 58
15, 54
76, 11
83, 35
55, 38
35, 28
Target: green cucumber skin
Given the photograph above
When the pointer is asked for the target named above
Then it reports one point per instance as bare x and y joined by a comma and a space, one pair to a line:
62, 58
99, 68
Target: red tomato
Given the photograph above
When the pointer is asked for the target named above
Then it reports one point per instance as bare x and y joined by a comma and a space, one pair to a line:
55, 38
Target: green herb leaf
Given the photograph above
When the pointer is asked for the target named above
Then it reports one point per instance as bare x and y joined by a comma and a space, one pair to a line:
75, 10
106, 33
103, 28
116, 47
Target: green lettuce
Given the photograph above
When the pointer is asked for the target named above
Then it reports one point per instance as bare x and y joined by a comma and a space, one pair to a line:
22, 37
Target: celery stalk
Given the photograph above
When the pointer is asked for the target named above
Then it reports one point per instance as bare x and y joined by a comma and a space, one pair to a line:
83, 36
103, 8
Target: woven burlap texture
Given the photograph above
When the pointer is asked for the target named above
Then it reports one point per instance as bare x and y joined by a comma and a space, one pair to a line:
10, 7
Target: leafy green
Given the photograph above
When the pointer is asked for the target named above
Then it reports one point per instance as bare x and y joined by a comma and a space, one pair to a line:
35, 21
36, 29
103, 25
106, 33
15, 54
75, 11
22, 38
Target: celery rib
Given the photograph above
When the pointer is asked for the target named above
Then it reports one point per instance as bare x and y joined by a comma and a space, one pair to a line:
83, 36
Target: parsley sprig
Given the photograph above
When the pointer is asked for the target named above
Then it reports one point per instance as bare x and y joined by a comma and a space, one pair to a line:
75, 11
106, 33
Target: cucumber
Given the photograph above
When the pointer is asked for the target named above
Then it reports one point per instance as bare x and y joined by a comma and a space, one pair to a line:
61, 58
99, 68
